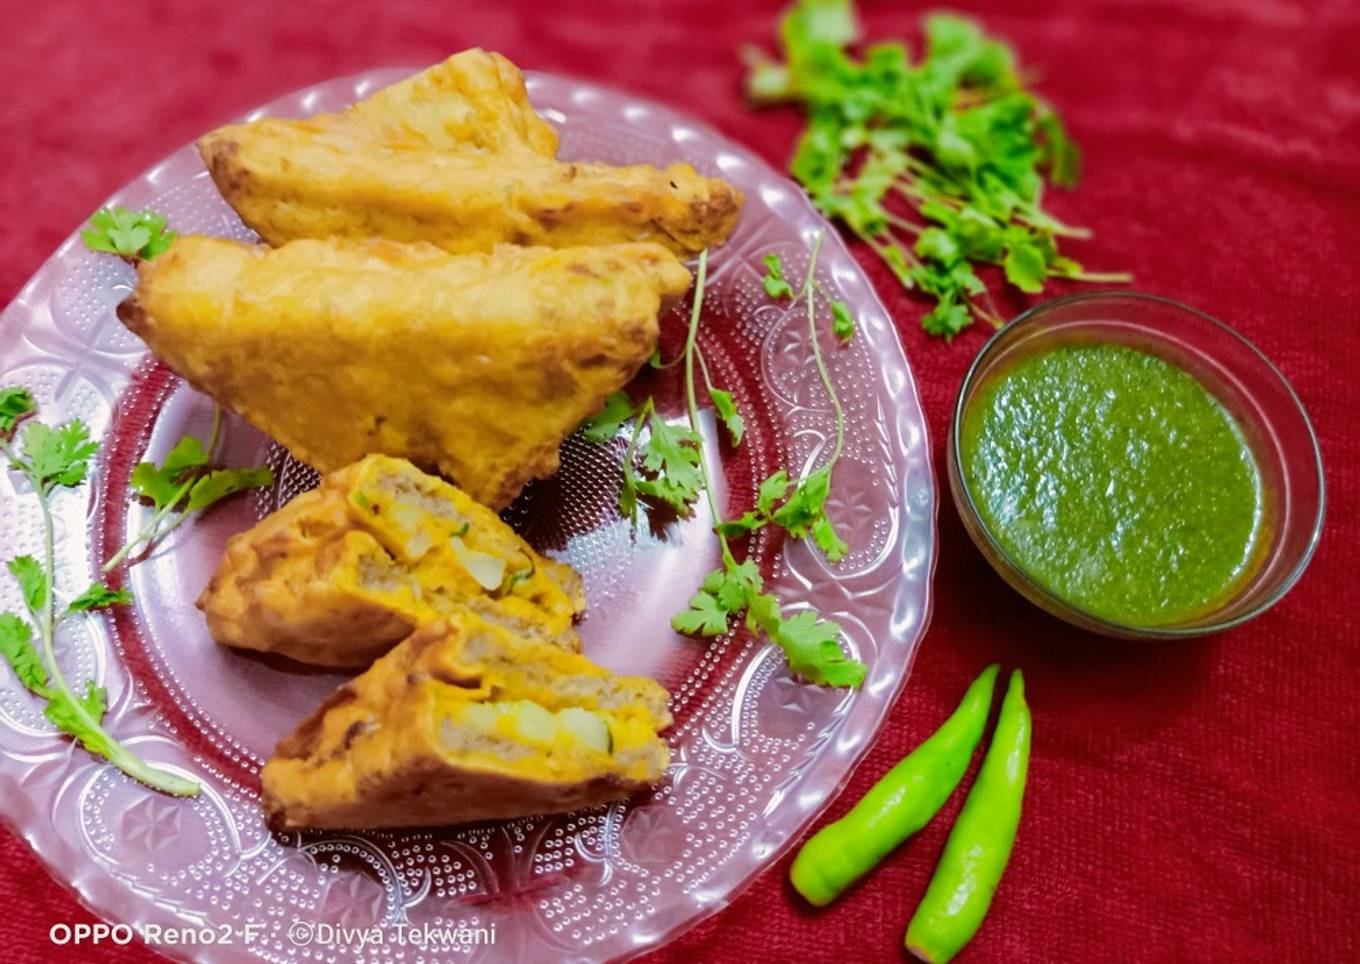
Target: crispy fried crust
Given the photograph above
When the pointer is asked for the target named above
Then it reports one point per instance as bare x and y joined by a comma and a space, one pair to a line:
454, 156
379, 751
341, 574
475, 365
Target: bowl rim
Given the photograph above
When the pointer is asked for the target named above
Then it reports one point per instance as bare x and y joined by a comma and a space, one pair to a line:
1062, 607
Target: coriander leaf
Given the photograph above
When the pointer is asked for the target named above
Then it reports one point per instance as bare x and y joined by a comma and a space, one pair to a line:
767, 80
804, 514
102, 223
775, 285
894, 258
1065, 267
947, 319
220, 483
842, 324
64, 711
160, 240
763, 613
735, 528
58, 456
739, 583
99, 596
823, 22
1060, 154
16, 645
671, 454
812, 646
831, 544
978, 234
28, 573
727, 411
806, 504
159, 483
127, 234
1024, 265
129, 239
618, 408
15, 403
937, 244
725, 592
772, 490
704, 617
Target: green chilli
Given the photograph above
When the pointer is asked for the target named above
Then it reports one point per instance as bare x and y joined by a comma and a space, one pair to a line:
897, 806
980, 842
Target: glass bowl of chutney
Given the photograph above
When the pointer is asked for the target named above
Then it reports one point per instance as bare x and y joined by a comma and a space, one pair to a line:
1135, 467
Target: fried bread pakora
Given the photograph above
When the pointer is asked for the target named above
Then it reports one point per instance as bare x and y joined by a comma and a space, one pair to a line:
464, 722
454, 156
474, 100
341, 574
475, 365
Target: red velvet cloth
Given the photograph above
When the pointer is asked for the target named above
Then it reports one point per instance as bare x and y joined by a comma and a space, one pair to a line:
1192, 801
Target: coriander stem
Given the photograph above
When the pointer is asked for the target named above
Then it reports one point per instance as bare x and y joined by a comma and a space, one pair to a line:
991, 317
691, 340
881, 248
172, 526
902, 224
639, 420
49, 561
808, 284
1054, 227
703, 368
216, 429
149, 532
1112, 277
117, 754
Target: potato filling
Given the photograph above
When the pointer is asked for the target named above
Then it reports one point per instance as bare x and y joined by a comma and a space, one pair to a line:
528, 722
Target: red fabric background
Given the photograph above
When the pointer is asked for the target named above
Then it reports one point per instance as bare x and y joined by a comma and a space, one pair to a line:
1188, 802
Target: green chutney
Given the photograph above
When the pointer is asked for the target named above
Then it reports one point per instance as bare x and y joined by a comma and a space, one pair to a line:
1114, 480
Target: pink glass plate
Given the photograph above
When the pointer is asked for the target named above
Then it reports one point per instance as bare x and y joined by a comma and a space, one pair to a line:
756, 754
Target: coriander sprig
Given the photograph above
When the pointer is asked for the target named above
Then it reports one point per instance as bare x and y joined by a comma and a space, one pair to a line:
736, 589
183, 484
803, 512
128, 234
955, 138
52, 459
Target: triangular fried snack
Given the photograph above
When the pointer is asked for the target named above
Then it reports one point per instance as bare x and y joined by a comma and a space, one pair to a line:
472, 101
341, 574
464, 722
455, 156
475, 365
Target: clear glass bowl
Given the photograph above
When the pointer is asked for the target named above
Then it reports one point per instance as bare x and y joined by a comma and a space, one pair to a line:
1244, 380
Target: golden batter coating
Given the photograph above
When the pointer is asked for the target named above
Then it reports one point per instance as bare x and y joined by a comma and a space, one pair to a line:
455, 156
341, 574
475, 365
474, 100
464, 722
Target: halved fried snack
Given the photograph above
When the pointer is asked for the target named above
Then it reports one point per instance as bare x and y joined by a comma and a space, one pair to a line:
455, 156
476, 365
465, 722
341, 574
